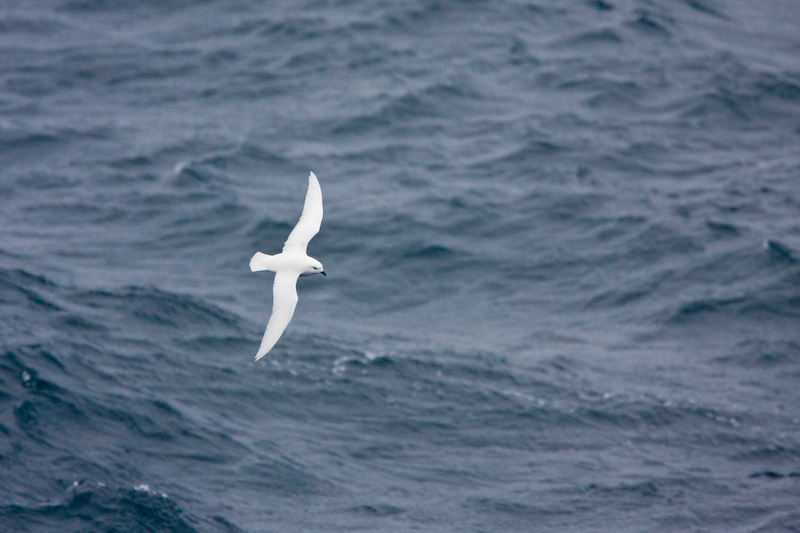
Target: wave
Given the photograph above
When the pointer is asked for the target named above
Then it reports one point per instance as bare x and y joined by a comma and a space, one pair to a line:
88, 505
153, 307
431, 99
763, 353
22, 289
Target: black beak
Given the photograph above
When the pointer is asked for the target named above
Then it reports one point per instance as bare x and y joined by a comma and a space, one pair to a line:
323, 273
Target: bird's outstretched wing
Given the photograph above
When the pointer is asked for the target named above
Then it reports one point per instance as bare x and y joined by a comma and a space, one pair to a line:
284, 300
310, 220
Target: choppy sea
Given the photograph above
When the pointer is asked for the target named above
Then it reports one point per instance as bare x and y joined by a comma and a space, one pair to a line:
563, 250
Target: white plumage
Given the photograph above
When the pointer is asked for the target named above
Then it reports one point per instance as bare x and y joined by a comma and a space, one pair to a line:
290, 264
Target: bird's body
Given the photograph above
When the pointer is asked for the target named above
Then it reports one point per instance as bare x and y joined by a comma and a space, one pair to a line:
290, 264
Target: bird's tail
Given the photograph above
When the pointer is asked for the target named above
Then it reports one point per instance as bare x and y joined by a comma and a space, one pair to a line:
260, 262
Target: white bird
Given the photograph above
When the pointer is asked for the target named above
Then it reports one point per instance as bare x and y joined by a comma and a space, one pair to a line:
290, 264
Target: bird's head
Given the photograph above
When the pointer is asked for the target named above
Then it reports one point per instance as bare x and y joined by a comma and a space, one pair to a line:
315, 267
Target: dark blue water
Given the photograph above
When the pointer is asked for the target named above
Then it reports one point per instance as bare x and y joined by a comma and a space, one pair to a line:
563, 247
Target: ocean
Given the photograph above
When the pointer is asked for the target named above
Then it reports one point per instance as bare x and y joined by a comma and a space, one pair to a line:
562, 241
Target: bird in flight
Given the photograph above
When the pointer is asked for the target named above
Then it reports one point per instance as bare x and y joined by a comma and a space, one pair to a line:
290, 264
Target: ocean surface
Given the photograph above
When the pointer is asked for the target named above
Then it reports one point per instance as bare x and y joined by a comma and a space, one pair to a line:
562, 241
